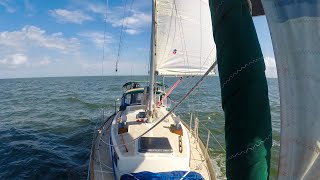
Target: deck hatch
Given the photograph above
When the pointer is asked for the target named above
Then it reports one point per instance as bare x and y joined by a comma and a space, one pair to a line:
154, 145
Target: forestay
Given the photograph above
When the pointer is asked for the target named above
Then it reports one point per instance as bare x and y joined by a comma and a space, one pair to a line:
295, 27
184, 39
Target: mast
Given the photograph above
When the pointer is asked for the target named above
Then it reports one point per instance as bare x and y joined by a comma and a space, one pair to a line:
152, 60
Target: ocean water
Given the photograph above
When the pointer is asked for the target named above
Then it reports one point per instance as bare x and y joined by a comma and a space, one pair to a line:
46, 124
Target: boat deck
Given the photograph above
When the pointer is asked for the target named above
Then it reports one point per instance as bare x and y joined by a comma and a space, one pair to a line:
137, 128
193, 149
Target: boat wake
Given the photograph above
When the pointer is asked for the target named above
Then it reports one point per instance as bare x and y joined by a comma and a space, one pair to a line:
219, 165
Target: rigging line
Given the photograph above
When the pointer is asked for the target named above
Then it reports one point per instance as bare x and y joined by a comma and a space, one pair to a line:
192, 80
126, 22
103, 51
208, 57
200, 34
104, 38
168, 93
121, 32
170, 112
200, 44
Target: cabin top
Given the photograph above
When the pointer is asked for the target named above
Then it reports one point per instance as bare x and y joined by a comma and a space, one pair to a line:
140, 84
138, 96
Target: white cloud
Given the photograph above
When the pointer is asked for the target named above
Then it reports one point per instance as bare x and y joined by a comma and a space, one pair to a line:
29, 7
90, 6
45, 61
66, 16
132, 31
18, 59
23, 51
134, 23
7, 6
14, 60
96, 38
271, 70
32, 37
96, 8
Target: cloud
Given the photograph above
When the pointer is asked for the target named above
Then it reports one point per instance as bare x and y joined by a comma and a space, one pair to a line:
31, 37
271, 69
135, 20
45, 61
7, 6
96, 8
97, 38
66, 16
134, 23
132, 31
29, 7
14, 60
31, 47
90, 6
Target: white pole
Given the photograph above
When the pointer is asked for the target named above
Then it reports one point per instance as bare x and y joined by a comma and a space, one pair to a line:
164, 87
152, 59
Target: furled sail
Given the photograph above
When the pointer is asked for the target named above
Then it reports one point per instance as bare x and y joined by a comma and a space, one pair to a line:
295, 32
184, 42
244, 91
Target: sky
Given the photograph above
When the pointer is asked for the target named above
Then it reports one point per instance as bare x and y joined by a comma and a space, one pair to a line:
66, 38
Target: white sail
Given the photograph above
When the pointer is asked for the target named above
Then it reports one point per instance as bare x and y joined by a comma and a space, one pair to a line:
295, 27
184, 38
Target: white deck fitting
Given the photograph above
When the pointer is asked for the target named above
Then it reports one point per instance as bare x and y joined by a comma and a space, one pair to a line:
192, 158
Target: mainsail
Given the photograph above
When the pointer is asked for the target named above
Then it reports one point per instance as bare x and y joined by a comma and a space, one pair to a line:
295, 31
184, 42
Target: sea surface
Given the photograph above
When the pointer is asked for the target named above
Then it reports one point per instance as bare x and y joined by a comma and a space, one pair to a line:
47, 124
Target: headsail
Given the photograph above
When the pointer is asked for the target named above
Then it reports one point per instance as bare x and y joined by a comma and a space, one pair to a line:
295, 27
244, 91
184, 40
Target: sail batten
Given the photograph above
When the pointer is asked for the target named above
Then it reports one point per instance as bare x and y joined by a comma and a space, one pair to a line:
184, 40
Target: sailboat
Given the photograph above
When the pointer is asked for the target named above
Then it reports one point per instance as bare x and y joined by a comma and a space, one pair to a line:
294, 28
154, 153
144, 138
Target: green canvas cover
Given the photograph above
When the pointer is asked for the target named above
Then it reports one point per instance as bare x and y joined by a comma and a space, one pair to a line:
146, 82
244, 91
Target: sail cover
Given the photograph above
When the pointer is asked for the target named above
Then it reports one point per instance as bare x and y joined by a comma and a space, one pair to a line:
244, 91
295, 32
184, 39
